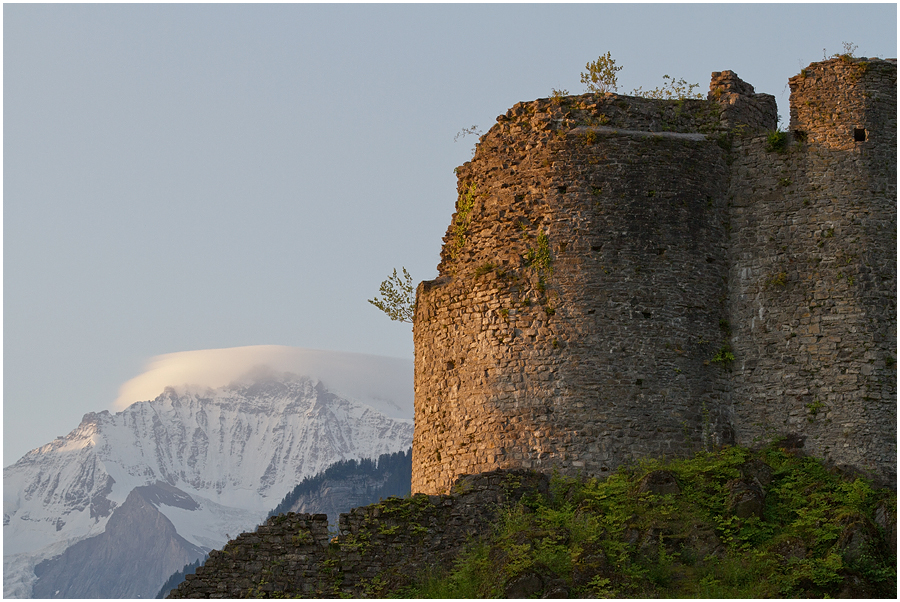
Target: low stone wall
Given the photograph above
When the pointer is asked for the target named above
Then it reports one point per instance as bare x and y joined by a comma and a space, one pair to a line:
380, 547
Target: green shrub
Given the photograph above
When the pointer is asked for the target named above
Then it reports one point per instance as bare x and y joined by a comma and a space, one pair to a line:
777, 141
601, 75
464, 205
539, 257
557, 96
671, 89
723, 356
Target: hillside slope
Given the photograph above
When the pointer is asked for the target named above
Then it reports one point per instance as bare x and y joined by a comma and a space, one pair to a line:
734, 523
348, 484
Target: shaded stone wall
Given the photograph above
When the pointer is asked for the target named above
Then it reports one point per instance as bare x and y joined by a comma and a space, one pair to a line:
604, 265
812, 298
379, 548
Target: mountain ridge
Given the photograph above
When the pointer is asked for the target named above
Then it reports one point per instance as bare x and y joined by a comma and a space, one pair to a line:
216, 461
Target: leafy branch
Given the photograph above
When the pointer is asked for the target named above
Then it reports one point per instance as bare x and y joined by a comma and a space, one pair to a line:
473, 131
398, 297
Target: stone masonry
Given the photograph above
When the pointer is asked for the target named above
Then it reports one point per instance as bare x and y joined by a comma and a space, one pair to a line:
813, 271
626, 277
379, 548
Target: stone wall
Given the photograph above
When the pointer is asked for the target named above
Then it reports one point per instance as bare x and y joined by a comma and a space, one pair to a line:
580, 296
596, 281
379, 548
742, 108
813, 272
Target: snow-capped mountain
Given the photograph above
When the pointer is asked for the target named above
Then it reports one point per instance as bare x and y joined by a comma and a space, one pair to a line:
193, 467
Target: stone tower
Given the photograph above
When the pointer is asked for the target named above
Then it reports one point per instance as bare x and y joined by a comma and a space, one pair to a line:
813, 270
599, 287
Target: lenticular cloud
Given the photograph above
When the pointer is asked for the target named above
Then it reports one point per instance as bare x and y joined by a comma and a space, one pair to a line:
385, 382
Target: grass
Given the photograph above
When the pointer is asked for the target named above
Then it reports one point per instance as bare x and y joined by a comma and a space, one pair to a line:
604, 538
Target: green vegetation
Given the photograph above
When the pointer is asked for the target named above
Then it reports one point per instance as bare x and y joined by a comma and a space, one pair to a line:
723, 356
777, 141
472, 130
393, 469
176, 578
601, 75
469, 131
539, 257
813, 408
556, 96
779, 279
671, 89
815, 536
485, 268
398, 297
464, 205
848, 53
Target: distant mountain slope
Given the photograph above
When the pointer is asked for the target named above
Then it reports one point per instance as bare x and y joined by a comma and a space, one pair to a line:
349, 484
210, 462
137, 535
176, 578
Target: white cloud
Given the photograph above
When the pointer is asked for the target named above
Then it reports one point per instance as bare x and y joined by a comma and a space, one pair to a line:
383, 382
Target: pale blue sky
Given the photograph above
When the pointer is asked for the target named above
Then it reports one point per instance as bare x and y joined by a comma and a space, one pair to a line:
182, 177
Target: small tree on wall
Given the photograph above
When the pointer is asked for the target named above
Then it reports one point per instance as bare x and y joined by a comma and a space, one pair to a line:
398, 297
601, 74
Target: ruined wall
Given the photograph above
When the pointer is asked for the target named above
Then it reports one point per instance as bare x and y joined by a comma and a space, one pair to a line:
812, 299
609, 256
380, 547
581, 292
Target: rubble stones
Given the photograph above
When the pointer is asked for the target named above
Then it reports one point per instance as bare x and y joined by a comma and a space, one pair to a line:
659, 482
746, 498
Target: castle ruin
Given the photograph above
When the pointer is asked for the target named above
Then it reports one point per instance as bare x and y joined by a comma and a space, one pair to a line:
626, 277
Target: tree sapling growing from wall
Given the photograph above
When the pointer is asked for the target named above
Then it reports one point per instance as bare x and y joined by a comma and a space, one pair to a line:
398, 297
601, 74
